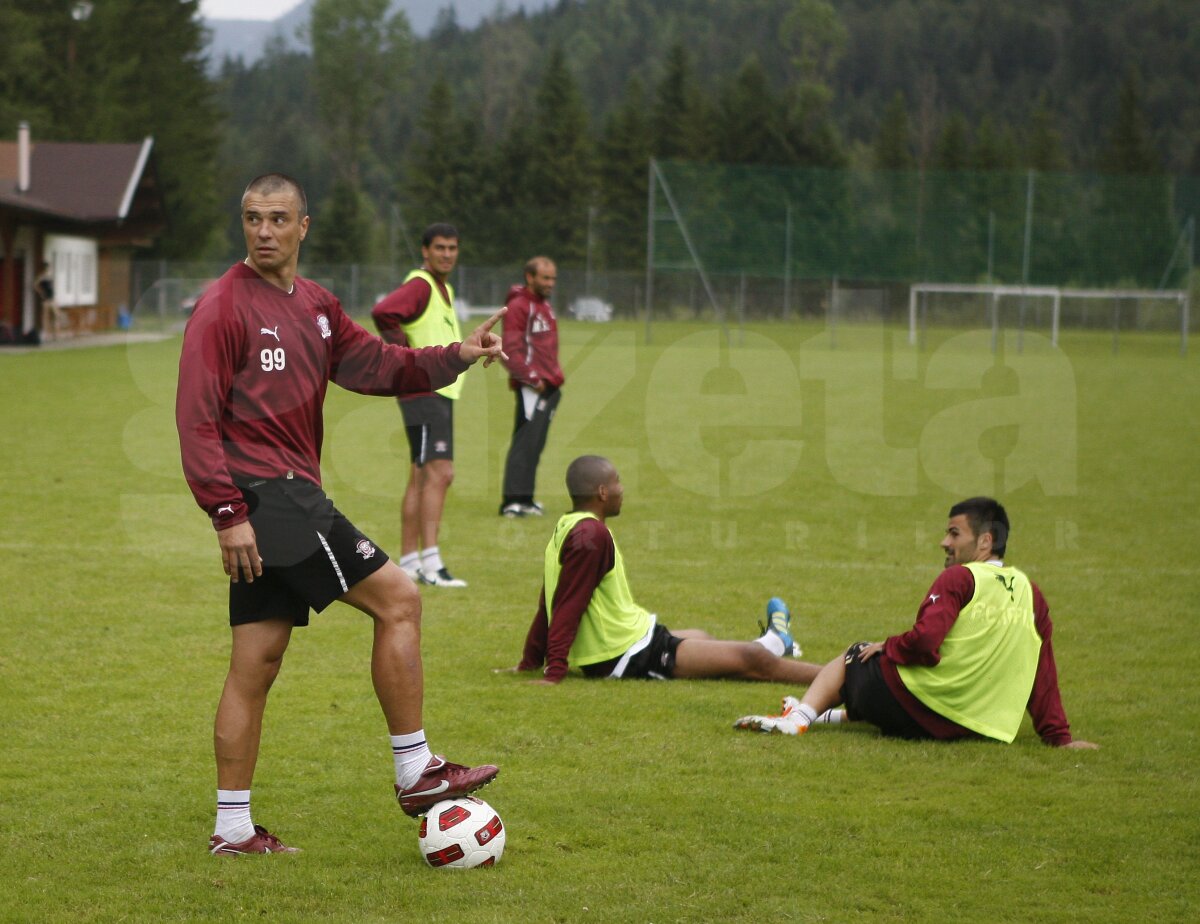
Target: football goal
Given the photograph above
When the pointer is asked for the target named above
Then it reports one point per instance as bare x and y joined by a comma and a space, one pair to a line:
1047, 308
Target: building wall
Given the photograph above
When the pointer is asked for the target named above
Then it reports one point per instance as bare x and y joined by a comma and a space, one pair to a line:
114, 285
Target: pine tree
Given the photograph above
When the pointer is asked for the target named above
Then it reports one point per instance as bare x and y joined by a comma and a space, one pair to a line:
749, 129
341, 229
816, 39
118, 86
678, 129
1134, 228
951, 152
445, 179
547, 170
622, 174
1130, 150
25, 70
994, 147
893, 143
359, 54
1044, 148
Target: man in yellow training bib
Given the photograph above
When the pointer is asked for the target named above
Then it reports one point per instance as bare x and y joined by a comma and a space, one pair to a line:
587, 617
421, 314
978, 656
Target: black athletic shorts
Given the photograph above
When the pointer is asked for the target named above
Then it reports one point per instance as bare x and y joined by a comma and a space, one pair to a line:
311, 553
654, 662
429, 423
868, 699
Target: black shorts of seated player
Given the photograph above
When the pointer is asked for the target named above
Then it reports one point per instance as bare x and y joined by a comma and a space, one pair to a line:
311, 553
656, 661
429, 423
867, 698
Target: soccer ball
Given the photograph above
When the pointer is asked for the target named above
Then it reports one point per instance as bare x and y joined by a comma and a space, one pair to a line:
461, 833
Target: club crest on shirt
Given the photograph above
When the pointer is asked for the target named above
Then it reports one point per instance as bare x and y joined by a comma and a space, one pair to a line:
365, 549
323, 323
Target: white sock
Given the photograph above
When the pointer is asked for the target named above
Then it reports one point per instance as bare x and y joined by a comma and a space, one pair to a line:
831, 717
233, 815
772, 642
410, 561
431, 560
411, 754
807, 714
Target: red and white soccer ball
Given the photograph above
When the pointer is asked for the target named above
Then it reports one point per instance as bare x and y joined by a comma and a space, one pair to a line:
461, 833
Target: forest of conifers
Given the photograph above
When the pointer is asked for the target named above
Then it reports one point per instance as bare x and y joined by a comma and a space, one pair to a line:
528, 127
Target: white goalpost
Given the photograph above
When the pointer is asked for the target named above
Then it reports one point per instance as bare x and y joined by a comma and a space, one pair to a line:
919, 294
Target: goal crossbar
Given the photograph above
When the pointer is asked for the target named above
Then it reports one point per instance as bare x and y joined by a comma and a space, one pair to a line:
1055, 293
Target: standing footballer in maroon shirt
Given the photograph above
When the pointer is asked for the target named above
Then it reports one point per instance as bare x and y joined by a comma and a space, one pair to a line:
258, 354
530, 334
865, 678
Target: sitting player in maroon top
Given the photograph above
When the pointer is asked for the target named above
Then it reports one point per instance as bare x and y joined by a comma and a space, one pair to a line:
258, 354
866, 679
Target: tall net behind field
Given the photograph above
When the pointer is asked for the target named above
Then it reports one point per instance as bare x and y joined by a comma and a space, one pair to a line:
791, 225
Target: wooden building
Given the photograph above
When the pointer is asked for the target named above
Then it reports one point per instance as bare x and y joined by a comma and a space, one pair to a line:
83, 208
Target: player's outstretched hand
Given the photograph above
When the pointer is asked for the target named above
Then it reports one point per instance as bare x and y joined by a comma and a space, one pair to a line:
483, 342
1082, 745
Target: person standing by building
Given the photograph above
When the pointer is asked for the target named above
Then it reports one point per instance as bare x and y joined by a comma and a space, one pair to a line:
259, 352
531, 344
48, 313
420, 314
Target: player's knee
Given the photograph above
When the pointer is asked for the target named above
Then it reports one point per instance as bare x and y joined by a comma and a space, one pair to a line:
443, 473
270, 669
254, 676
400, 604
759, 662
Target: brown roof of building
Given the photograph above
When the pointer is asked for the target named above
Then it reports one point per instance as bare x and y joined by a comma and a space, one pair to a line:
75, 180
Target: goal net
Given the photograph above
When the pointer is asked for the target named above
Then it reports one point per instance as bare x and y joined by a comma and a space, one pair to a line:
1046, 309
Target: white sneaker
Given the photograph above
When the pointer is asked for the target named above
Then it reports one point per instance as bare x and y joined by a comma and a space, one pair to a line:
787, 723
515, 509
413, 571
441, 578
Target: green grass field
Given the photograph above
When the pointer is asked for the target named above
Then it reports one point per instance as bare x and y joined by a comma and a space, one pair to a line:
780, 466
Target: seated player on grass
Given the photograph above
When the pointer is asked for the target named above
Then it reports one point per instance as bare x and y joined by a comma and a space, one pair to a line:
586, 616
977, 658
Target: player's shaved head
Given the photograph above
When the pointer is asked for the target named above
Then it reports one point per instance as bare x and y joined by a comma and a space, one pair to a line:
534, 264
586, 474
271, 183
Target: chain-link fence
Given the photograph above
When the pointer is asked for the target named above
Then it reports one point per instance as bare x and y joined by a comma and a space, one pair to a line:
164, 292
1061, 229
734, 244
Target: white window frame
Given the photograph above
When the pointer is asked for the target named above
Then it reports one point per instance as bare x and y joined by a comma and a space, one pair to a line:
76, 269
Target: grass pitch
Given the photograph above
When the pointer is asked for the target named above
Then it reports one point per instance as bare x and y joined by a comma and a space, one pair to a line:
779, 465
